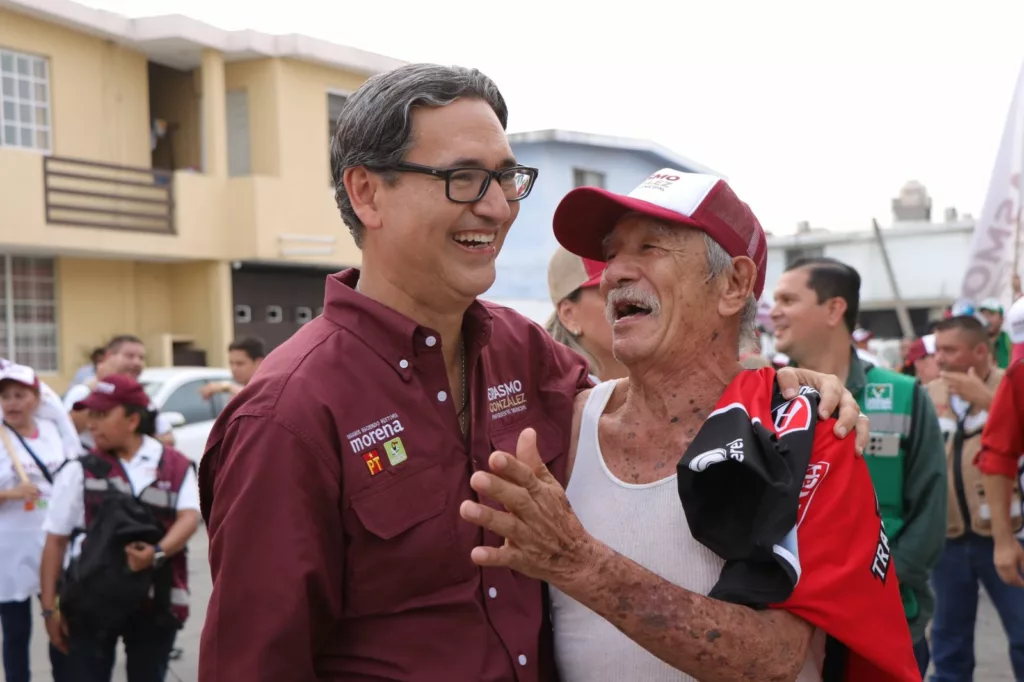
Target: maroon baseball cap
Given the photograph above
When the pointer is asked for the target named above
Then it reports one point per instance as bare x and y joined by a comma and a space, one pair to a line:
586, 215
114, 390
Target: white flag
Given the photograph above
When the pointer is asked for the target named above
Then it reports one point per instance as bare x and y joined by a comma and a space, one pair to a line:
991, 257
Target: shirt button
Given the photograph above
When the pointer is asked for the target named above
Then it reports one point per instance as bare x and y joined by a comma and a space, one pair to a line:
442, 396
522, 659
492, 593
431, 341
403, 363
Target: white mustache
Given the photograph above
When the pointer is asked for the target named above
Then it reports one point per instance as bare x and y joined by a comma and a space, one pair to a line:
630, 294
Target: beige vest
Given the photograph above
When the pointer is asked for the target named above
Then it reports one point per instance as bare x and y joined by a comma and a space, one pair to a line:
973, 491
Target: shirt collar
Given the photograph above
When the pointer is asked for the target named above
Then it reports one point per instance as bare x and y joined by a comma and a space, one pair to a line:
857, 378
394, 337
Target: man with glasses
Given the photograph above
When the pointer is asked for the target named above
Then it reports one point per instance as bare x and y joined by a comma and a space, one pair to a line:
331, 487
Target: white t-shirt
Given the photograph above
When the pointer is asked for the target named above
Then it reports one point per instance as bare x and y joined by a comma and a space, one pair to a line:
21, 526
81, 392
67, 505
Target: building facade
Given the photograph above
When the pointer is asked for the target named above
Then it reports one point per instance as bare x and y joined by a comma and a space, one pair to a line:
929, 260
159, 175
567, 160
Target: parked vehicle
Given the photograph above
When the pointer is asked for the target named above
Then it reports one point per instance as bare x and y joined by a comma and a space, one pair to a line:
175, 392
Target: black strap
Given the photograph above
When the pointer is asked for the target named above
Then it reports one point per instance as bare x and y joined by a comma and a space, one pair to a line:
39, 463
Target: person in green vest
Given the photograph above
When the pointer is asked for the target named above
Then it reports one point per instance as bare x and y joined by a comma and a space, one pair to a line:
992, 310
815, 312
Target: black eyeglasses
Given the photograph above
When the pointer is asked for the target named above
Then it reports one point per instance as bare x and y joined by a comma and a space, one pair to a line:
468, 185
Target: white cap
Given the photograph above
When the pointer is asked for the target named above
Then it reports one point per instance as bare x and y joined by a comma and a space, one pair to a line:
1013, 323
22, 374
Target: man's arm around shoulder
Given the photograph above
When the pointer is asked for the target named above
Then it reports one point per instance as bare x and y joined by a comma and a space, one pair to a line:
276, 554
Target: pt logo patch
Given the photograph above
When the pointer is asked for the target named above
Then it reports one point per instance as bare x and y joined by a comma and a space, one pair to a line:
878, 397
372, 460
791, 416
395, 451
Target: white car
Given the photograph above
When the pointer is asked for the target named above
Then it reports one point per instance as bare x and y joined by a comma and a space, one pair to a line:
175, 392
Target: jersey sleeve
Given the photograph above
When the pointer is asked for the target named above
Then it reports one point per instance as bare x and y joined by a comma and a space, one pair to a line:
847, 585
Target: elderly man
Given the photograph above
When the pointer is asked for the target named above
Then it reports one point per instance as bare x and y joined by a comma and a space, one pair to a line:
629, 570
331, 485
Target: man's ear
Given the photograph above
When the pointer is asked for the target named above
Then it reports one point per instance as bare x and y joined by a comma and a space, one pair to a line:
836, 307
739, 286
362, 187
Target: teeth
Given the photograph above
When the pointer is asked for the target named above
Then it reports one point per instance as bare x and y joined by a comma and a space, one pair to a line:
474, 237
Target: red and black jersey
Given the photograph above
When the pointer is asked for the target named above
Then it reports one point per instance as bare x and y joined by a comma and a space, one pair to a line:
792, 509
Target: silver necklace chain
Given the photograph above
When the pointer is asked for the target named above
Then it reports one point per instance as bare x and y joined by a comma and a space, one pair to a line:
462, 415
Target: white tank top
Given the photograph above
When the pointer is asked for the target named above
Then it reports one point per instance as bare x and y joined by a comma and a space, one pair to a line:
637, 521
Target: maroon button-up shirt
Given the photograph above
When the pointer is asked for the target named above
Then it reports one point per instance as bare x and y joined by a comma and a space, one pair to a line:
331, 487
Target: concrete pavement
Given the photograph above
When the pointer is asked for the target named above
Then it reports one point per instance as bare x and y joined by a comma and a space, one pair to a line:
992, 656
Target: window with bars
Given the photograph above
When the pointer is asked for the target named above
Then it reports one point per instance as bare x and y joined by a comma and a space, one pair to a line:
28, 312
24, 101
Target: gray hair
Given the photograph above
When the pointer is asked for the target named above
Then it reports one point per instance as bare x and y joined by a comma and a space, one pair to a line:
720, 262
374, 128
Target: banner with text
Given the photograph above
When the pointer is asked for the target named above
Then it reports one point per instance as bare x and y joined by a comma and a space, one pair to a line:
991, 257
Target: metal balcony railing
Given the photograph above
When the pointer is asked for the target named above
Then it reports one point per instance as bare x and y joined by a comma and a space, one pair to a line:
108, 196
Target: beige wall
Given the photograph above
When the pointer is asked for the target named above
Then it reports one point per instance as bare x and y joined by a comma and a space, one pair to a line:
99, 93
101, 98
97, 299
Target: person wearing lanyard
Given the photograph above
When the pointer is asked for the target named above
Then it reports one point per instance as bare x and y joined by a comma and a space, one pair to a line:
331, 484
164, 481
31, 452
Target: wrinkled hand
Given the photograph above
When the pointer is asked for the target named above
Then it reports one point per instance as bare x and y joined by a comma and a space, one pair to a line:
57, 630
968, 386
1009, 560
140, 556
543, 537
833, 394
25, 491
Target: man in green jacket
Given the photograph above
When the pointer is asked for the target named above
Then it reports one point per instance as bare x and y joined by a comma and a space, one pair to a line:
815, 312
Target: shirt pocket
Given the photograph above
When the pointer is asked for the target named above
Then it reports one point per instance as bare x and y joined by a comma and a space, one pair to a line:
550, 443
402, 547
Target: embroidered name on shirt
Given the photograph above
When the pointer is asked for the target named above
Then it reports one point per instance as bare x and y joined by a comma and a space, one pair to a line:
505, 399
381, 430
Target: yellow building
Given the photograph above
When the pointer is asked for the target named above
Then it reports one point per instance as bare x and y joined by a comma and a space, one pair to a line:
162, 177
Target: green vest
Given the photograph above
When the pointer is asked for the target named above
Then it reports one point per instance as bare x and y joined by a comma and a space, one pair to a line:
888, 401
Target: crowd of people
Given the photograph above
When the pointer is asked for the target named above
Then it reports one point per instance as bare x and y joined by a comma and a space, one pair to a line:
96, 510
422, 486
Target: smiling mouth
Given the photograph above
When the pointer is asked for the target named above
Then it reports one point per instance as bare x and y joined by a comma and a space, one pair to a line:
474, 240
626, 310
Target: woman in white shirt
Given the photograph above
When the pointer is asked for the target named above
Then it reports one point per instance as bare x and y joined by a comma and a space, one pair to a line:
36, 445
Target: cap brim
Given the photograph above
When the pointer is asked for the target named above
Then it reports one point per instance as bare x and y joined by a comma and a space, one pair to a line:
586, 215
593, 281
97, 402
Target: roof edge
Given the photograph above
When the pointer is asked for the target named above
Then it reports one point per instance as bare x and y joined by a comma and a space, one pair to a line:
138, 32
612, 142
